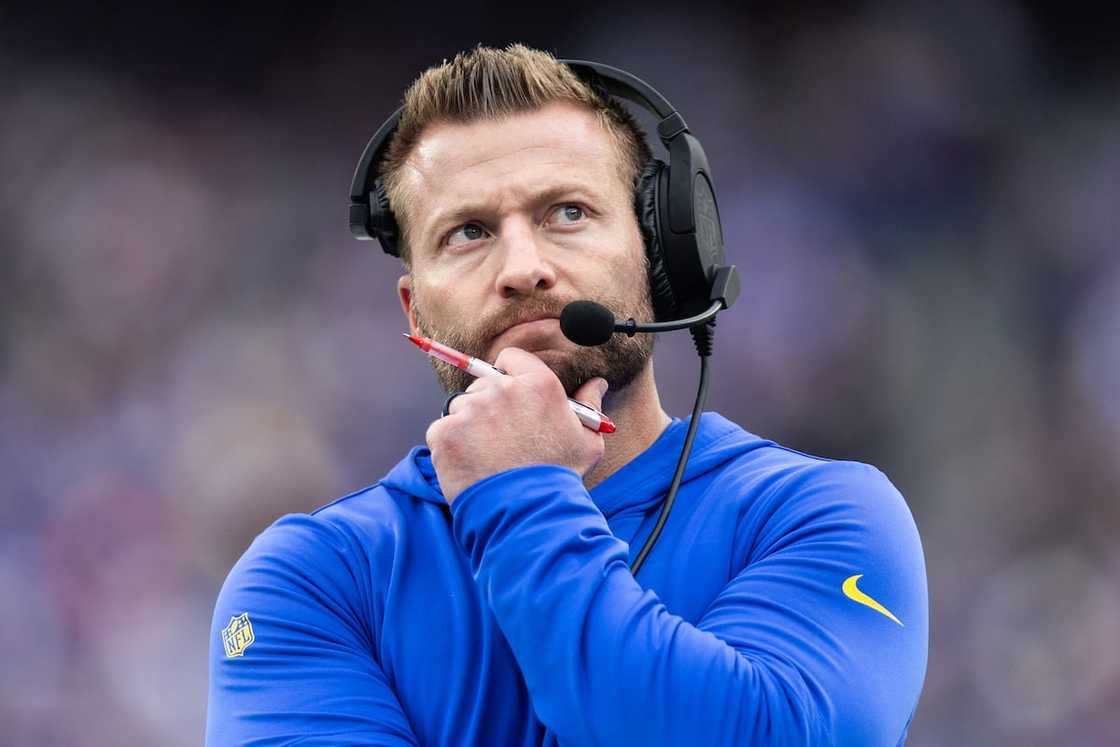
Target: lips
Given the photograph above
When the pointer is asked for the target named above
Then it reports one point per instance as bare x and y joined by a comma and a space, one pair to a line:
524, 334
530, 321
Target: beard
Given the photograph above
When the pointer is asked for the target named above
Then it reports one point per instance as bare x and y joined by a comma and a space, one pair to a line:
619, 360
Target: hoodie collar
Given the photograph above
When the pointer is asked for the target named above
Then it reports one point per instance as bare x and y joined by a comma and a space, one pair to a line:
645, 479
416, 476
638, 484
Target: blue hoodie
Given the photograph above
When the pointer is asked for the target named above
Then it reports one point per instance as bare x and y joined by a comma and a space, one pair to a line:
785, 603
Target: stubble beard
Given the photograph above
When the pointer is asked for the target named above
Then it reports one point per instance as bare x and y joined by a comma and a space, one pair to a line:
619, 360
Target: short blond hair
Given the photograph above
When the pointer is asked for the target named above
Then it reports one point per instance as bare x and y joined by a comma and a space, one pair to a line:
487, 83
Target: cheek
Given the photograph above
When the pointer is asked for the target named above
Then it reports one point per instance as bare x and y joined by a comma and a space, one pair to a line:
458, 277
626, 241
617, 244
628, 267
451, 310
436, 292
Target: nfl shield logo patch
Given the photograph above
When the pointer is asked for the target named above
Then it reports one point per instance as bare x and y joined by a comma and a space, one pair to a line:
238, 635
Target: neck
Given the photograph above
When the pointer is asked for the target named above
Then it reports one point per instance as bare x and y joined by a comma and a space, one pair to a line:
636, 410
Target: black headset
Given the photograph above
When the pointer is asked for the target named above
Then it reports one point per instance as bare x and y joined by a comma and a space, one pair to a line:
675, 202
676, 209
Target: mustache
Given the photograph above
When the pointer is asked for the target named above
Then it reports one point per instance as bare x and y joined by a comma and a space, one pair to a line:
523, 311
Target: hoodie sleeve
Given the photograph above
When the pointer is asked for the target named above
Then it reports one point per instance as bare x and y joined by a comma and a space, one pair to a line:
794, 650
290, 656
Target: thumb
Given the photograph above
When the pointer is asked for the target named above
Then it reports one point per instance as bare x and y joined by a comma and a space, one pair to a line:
591, 393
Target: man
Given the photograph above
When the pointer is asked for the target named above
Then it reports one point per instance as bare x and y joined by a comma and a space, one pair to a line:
480, 592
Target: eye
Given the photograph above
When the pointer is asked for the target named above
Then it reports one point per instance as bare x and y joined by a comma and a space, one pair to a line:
567, 214
465, 234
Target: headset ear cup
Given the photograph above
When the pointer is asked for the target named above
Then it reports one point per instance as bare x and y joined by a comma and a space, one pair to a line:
382, 222
646, 203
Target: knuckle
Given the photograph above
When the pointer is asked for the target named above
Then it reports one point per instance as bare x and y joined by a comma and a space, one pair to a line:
441, 436
431, 436
548, 385
460, 405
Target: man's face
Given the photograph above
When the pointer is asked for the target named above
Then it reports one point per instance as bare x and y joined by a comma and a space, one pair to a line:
510, 220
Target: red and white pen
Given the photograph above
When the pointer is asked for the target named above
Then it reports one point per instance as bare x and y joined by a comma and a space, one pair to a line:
589, 416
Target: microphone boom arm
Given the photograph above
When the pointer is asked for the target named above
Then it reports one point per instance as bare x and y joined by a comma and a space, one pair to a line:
631, 327
725, 289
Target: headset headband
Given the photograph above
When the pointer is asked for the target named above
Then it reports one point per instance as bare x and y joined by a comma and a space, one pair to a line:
674, 202
616, 82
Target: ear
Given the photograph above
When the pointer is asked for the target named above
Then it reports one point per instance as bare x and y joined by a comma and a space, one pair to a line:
404, 292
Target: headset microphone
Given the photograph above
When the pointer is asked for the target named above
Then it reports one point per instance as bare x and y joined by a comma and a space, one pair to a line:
589, 324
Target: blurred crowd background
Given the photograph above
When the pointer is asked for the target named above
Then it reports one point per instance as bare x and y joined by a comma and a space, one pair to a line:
922, 198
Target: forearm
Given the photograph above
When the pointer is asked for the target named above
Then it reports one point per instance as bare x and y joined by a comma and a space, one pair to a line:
605, 662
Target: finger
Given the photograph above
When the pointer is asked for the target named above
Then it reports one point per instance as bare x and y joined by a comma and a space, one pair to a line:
517, 362
450, 402
483, 383
592, 392
432, 435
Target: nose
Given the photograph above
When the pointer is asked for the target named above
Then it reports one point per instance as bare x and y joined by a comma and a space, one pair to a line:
525, 270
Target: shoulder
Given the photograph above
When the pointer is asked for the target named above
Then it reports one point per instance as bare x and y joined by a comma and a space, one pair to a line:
366, 518
785, 479
338, 531
793, 474
786, 495
840, 515
322, 559
806, 485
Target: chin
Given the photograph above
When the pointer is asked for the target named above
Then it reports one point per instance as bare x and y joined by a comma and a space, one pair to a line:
551, 354
555, 359
566, 366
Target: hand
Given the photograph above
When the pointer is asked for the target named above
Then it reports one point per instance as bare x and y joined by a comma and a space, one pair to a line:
513, 421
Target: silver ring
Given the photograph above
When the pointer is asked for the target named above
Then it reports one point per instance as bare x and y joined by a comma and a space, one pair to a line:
447, 403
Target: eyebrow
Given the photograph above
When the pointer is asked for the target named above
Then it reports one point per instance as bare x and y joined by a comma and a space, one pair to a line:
472, 210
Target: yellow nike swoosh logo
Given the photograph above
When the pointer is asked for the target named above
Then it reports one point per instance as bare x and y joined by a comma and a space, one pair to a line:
851, 591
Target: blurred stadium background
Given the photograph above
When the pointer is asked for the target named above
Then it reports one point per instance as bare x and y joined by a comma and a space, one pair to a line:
922, 197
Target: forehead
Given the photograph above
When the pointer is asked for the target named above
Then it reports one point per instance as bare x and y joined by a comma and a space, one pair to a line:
499, 160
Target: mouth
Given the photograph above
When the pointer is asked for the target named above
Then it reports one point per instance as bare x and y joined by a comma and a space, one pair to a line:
534, 334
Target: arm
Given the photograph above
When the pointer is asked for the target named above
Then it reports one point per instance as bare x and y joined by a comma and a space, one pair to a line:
309, 674
780, 656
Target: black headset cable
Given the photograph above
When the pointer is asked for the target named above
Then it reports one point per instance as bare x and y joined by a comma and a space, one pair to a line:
702, 336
